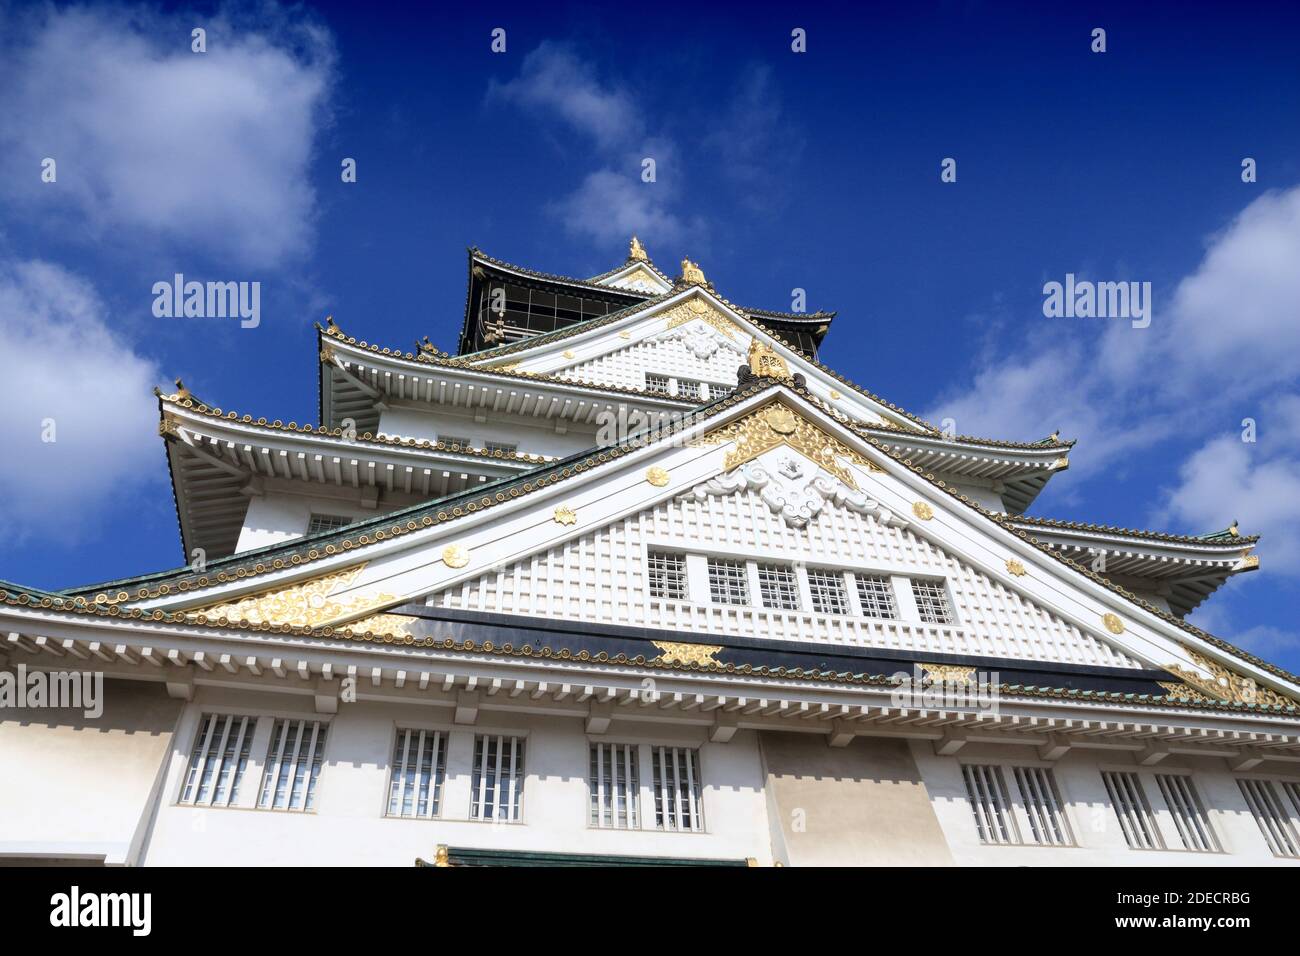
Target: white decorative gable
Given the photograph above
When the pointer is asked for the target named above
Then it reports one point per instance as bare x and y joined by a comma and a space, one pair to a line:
603, 576
794, 488
695, 351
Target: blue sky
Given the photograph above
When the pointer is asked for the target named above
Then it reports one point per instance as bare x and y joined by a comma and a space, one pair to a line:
775, 170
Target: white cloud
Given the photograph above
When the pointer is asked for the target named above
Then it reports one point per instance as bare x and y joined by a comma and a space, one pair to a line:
1256, 483
552, 78
1230, 331
207, 150
612, 202
65, 365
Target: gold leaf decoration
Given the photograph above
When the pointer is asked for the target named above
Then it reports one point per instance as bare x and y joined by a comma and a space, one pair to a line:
701, 309
305, 604
922, 510
764, 362
565, 515
656, 476
949, 673
568, 353
835, 396
1113, 623
455, 556
1227, 684
674, 653
775, 424
1015, 567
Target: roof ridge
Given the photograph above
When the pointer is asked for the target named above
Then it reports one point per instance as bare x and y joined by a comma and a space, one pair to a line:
1136, 532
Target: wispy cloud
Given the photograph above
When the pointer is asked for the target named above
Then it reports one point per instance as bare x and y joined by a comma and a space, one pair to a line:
79, 427
160, 146
1229, 334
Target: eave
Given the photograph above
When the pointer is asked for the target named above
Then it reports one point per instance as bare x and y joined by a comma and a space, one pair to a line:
1182, 569
1163, 636
220, 459
357, 377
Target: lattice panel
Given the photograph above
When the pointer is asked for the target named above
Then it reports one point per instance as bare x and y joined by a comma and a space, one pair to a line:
627, 367
600, 577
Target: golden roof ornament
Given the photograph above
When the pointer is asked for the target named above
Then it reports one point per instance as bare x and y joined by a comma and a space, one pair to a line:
637, 251
181, 391
763, 361
692, 274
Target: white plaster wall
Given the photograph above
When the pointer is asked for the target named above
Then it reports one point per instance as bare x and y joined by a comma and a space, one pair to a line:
274, 517
79, 787
1096, 829
349, 825
541, 439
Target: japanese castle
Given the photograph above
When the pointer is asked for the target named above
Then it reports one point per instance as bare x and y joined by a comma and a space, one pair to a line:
633, 578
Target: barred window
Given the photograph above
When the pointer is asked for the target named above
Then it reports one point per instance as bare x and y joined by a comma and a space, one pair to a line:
728, 582
986, 789
995, 820
505, 447
779, 587
615, 785
719, 391
876, 595
686, 388
293, 762
418, 771
678, 804
1189, 814
1131, 807
667, 573
319, 523
1272, 815
829, 595
1042, 805
218, 760
450, 440
498, 779
658, 384
932, 601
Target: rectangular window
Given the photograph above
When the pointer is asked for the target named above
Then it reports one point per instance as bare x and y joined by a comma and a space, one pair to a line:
728, 582
876, 595
719, 391
450, 440
319, 523
218, 760
658, 384
779, 587
1189, 815
293, 762
615, 783
418, 770
986, 789
498, 780
932, 601
1272, 816
1043, 806
686, 388
829, 596
504, 447
667, 573
1130, 803
678, 804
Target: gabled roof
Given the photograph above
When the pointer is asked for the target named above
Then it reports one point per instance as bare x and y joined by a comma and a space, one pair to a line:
814, 323
345, 547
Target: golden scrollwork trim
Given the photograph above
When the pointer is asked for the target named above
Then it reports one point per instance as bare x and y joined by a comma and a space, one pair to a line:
948, 673
672, 652
701, 309
310, 603
776, 424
